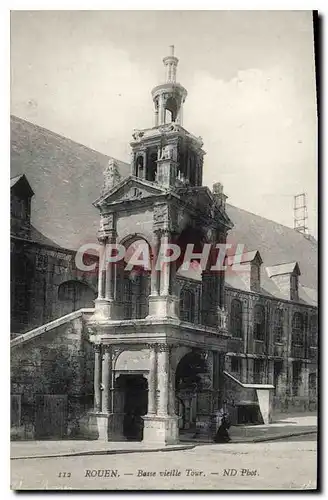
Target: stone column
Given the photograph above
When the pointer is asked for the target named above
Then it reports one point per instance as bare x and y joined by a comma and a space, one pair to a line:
156, 115
109, 270
171, 392
97, 377
290, 377
270, 371
152, 380
165, 269
304, 385
161, 110
250, 370
180, 115
281, 388
244, 370
102, 258
106, 379
162, 428
154, 284
163, 379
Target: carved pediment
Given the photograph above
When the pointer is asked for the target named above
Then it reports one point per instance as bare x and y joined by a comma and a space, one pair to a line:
131, 189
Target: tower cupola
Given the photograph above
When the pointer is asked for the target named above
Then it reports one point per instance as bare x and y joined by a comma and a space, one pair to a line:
167, 153
170, 96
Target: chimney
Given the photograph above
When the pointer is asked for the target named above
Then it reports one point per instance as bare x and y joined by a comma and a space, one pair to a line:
219, 195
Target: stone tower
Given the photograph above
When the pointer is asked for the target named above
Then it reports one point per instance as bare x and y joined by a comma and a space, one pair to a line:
167, 153
136, 329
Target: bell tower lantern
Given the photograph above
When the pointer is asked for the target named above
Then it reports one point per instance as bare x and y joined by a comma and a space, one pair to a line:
170, 96
167, 153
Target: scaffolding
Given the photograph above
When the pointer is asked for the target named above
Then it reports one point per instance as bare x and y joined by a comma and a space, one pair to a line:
300, 214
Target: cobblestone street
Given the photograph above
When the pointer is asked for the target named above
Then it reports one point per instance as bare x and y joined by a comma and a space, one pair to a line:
276, 465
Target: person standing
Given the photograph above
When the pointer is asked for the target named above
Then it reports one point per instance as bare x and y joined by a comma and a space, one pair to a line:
223, 425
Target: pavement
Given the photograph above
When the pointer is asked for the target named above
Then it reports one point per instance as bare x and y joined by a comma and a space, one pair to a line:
283, 427
278, 465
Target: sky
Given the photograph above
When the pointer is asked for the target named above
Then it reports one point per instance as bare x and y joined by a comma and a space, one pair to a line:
250, 77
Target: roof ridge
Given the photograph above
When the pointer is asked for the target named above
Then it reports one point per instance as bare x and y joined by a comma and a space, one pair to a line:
274, 222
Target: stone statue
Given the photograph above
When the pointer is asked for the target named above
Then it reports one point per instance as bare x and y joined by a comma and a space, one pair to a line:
166, 153
112, 175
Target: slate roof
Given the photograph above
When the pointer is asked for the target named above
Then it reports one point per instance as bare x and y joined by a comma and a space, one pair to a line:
279, 269
20, 184
67, 178
246, 257
14, 180
276, 243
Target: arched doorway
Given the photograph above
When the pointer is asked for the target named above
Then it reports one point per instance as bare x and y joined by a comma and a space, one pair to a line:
191, 383
134, 403
74, 295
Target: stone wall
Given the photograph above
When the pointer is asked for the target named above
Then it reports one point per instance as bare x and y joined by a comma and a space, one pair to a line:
270, 351
57, 363
37, 271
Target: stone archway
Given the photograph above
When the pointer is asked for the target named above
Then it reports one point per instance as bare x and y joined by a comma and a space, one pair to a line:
73, 295
133, 277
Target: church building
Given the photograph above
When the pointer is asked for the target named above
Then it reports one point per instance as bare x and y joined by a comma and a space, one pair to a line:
102, 349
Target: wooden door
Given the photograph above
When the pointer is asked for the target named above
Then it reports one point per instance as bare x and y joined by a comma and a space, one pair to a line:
51, 416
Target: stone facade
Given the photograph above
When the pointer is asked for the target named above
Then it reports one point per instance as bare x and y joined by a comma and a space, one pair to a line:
158, 351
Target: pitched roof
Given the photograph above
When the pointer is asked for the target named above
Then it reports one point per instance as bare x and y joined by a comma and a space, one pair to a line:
20, 185
246, 257
288, 268
67, 178
276, 243
14, 180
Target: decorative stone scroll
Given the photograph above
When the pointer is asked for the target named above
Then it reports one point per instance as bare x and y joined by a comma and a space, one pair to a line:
116, 351
138, 135
161, 216
96, 348
158, 346
106, 227
133, 194
165, 218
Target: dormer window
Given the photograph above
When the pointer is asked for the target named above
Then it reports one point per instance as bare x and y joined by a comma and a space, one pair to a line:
285, 277
20, 205
249, 269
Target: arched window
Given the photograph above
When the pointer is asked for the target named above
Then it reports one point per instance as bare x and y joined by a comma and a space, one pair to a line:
134, 279
298, 329
313, 331
236, 318
187, 305
127, 297
259, 322
278, 325
140, 167
171, 110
